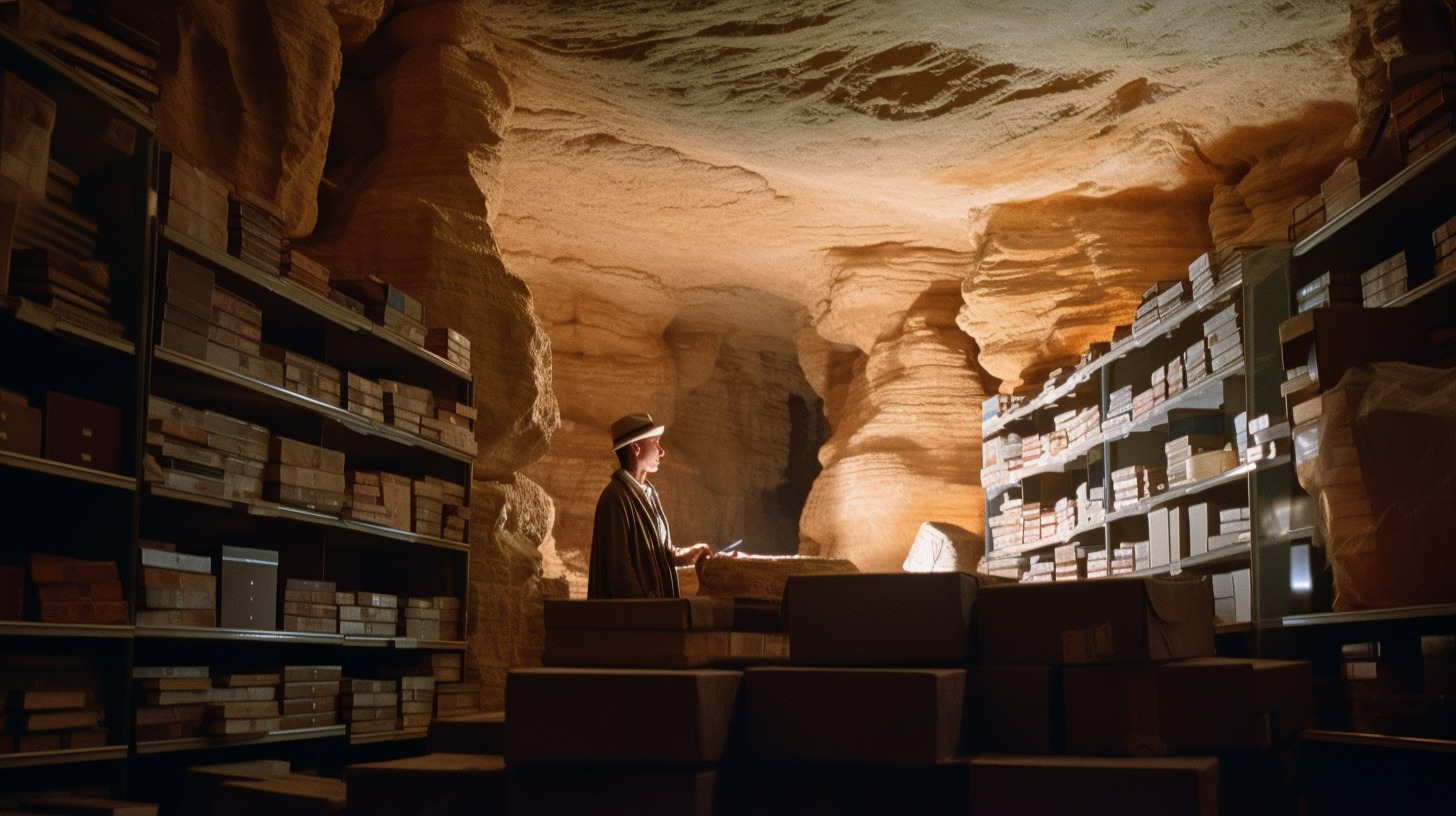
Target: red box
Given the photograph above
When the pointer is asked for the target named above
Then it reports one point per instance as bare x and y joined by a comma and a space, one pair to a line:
19, 427
81, 432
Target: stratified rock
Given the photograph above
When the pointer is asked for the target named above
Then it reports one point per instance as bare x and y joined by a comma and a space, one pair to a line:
248, 92
357, 19
941, 547
761, 576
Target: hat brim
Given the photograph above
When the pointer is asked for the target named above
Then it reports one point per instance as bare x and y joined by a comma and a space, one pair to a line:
638, 436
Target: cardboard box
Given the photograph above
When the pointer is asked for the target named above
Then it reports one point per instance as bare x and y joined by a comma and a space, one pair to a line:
621, 717
1116, 620
81, 432
1016, 709
1011, 784
638, 791
891, 716
870, 619
435, 783
248, 588
20, 428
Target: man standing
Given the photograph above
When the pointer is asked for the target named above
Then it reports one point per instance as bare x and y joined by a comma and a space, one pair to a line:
632, 554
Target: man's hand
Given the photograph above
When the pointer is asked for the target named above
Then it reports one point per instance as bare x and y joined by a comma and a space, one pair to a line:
690, 556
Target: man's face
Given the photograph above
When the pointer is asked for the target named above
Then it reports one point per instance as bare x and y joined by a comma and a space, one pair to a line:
649, 453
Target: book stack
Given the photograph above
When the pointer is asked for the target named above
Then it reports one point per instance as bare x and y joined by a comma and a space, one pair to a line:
1069, 563
1195, 363
255, 234
1269, 437
1119, 410
65, 720
1425, 114
1353, 179
1006, 525
1231, 598
445, 667
75, 591
1231, 260
310, 606
432, 618
364, 498
46, 223
1123, 562
1080, 425
172, 701
310, 696
1040, 569
998, 405
1384, 282
405, 405
244, 703
1030, 523
387, 305
78, 291
1089, 504
1444, 238
1329, 289
1011, 566
302, 475
178, 589
1136, 482
194, 202
204, 451
416, 695
1202, 276
1225, 340
427, 507
1143, 403
1096, 564
309, 274
27, 139
236, 324
1234, 525
1181, 450
1147, 311
456, 514
369, 706
201, 320
127, 73
364, 397
999, 455
1158, 381
1309, 215
457, 698
450, 344
1171, 299
1032, 449
1173, 376
307, 376
1142, 554
370, 614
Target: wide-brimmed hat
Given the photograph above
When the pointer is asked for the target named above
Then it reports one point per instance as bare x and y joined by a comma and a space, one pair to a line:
632, 428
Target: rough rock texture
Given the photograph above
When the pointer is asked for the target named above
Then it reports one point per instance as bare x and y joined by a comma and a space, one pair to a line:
941, 547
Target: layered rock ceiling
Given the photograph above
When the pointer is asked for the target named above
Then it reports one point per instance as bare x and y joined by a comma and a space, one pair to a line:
809, 236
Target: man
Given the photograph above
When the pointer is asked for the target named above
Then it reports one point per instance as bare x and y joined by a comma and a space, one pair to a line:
632, 554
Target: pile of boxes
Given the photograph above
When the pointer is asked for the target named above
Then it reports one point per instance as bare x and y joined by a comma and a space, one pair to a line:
370, 614
364, 397
72, 590
1353, 179
1134, 483
1425, 114
206, 322
243, 703
255, 233
310, 696
178, 589
306, 376
193, 202
306, 272
388, 306
303, 475
1329, 289
369, 706
450, 344
1444, 238
1384, 282
76, 290
310, 606
433, 618
204, 451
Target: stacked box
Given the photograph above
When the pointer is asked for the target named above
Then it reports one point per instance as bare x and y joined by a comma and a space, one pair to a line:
1174, 376
456, 698
52, 226
1070, 563
307, 376
456, 513
1232, 602
1425, 114
255, 233
172, 701
26, 142
1030, 523
405, 405
1031, 449
1011, 566
51, 718
1231, 260
1159, 382
1066, 515
1080, 425
1039, 569
364, 497
1143, 403
1309, 215
369, 706
243, 703
1182, 449
310, 606
682, 633
1171, 299
368, 614
1195, 363
450, 344
303, 475
310, 696
1147, 311
364, 397
308, 273
388, 306
76, 290
178, 589
434, 618
1269, 437
204, 321
1384, 282
1225, 341
75, 591
1000, 458
445, 667
1098, 564
1136, 482
427, 507
1353, 179
1167, 536
1089, 504
1444, 238
1203, 275
416, 695
236, 325
457, 425
81, 432
20, 424
1119, 410
1329, 289
1123, 561
194, 202
128, 74
1234, 526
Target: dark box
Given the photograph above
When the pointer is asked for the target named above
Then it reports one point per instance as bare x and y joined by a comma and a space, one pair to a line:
1108, 621
1011, 785
639, 791
248, 588
81, 432
20, 428
880, 619
1016, 709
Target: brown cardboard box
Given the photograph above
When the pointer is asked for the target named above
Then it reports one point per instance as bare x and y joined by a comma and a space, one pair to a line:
799, 789
20, 427
1013, 785
82, 432
1109, 621
638, 791
441, 784
292, 794
869, 619
637, 648
871, 716
620, 716
699, 612
1016, 709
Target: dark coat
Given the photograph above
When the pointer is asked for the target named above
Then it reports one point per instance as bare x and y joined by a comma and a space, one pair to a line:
629, 557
